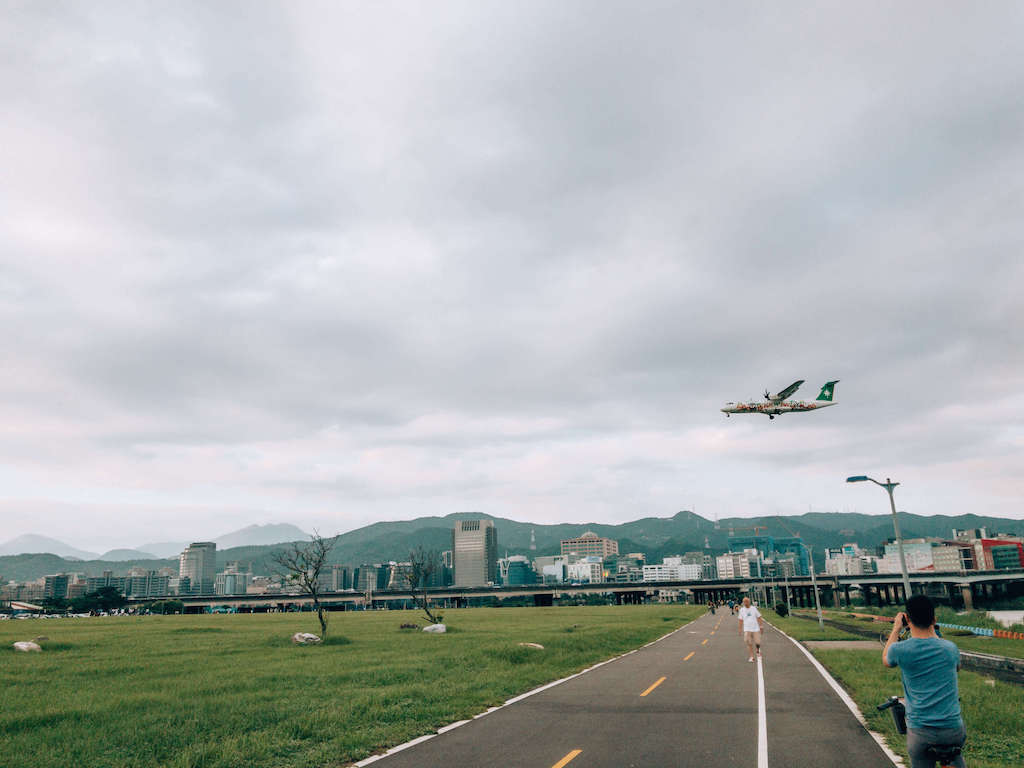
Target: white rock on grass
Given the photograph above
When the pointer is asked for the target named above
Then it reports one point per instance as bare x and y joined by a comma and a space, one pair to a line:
27, 646
532, 645
306, 638
437, 629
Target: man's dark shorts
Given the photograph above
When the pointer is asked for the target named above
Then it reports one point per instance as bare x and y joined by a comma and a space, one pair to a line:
919, 739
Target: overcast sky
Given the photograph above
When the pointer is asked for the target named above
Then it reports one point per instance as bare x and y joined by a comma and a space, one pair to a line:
332, 264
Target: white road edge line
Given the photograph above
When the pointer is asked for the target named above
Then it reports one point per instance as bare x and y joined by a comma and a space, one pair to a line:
762, 719
896, 759
513, 700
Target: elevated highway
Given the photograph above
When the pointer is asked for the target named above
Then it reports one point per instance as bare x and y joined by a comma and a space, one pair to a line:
834, 591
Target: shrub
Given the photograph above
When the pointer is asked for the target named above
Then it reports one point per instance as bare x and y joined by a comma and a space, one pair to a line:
781, 609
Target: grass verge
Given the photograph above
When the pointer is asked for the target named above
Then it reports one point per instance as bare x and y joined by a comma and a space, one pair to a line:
802, 629
991, 708
1000, 646
227, 691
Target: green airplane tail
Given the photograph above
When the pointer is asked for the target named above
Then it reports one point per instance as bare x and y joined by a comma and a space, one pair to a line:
826, 391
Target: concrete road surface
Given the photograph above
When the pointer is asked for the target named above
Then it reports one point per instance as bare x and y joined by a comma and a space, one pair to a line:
691, 699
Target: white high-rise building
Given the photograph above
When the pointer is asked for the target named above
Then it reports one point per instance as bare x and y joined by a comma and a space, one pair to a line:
672, 569
198, 563
734, 565
587, 570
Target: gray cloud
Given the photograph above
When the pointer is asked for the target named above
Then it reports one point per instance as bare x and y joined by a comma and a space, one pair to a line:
341, 263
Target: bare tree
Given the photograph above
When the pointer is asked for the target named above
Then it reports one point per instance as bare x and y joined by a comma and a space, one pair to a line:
424, 564
301, 563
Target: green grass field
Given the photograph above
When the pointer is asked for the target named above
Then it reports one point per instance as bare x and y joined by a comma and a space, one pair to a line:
992, 709
226, 691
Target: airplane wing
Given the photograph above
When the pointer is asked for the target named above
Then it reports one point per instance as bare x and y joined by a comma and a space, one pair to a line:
788, 390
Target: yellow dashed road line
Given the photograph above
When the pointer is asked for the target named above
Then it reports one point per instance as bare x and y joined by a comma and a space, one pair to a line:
567, 759
656, 684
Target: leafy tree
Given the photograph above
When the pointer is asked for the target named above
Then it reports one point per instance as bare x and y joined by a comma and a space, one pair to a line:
55, 604
103, 599
167, 606
301, 564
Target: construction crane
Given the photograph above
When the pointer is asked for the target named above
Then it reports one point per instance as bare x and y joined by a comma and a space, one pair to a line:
788, 529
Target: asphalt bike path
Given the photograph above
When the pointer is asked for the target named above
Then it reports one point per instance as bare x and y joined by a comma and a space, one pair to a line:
691, 699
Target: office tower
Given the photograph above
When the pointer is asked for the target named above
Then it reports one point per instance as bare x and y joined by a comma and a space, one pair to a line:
199, 564
590, 545
475, 552
55, 587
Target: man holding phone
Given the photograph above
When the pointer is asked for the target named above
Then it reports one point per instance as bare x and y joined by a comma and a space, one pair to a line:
929, 665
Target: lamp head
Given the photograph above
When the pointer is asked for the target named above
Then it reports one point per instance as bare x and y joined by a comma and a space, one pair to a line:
857, 479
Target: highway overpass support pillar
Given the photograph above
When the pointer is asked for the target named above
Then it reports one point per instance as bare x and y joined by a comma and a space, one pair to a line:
967, 593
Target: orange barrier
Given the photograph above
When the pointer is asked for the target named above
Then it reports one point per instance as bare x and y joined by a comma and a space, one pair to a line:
1008, 634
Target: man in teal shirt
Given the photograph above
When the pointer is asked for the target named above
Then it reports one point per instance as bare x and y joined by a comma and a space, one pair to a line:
928, 665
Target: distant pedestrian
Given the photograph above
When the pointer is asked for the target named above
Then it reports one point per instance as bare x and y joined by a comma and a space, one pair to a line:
732, 607
751, 625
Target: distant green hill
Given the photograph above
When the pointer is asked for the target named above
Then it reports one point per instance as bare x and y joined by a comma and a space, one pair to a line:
656, 536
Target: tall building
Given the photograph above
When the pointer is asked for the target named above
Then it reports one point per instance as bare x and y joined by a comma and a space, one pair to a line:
985, 558
233, 580
590, 545
108, 579
801, 555
199, 564
55, 587
733, 565
515, 570
475, 552
371, 577
775, 548
707, 562
625, 568
917, 553
673, 569
143, 583
335, 578
587, 570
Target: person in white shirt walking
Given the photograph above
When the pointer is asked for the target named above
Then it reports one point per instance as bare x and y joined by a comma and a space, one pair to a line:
751, 625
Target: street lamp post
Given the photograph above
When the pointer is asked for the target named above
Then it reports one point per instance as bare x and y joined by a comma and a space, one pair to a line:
814, 581
889, 485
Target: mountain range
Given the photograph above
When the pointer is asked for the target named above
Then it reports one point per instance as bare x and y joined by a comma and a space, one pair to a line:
251, 535
655, 536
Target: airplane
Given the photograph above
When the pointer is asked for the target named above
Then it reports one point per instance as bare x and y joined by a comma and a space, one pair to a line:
777, 404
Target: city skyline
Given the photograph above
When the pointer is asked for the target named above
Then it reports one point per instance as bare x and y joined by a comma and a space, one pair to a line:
258, 271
